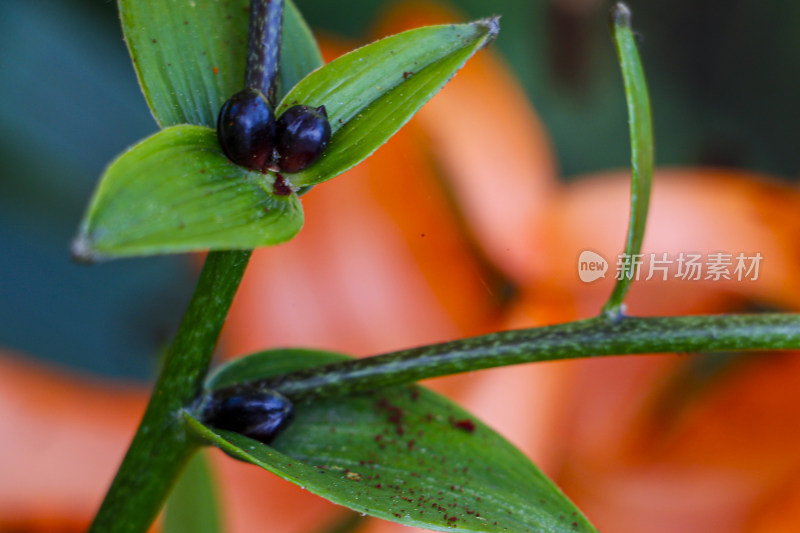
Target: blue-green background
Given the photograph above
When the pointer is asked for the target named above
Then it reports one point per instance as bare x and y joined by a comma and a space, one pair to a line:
724, 75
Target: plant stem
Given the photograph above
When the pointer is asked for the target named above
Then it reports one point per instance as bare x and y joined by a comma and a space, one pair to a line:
161, 446
264, 47
586, 338
641, 132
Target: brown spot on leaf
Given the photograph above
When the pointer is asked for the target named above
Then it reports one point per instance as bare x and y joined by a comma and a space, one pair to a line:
281, 186
464, 425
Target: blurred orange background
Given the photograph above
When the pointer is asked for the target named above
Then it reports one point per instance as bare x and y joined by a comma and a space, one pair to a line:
462, 225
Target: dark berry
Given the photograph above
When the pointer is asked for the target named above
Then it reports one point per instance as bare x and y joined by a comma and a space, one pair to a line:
303, 133
246, 129
259, 414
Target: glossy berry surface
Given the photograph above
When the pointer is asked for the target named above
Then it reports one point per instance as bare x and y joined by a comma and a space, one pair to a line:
303, 133
259, 414
246, 129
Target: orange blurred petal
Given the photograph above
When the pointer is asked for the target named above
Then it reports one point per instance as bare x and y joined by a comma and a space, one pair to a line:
780, 511
63, 439
692, 210
643, 454
741, 423
492, 148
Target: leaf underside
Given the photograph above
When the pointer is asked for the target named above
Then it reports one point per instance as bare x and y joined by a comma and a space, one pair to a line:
176, 192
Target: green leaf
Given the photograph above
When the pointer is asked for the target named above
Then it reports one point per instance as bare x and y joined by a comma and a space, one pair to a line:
176, 192
192, 504
190, 55
641, 132
373, 91
403, 454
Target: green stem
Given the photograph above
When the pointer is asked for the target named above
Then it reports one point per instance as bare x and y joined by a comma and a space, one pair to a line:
587, 338
641, 132
161, 446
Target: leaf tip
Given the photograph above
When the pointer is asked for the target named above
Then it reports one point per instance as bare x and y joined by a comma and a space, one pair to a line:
82, 250
620, 16
492, 26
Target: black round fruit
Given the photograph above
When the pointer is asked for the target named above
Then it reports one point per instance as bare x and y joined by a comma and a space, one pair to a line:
246, 129
259, 414
303, 133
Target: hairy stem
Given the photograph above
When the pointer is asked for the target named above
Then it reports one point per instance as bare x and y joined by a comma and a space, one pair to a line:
264, 47
161, 446
587, 338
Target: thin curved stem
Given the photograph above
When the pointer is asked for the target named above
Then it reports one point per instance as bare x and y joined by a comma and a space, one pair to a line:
641, 132
587, 338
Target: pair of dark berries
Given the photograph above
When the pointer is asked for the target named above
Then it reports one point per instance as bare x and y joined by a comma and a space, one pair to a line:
250, 136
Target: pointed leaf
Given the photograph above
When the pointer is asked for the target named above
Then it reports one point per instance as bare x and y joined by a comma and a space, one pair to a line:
403, 454
371, 92
190, 54
176, 192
